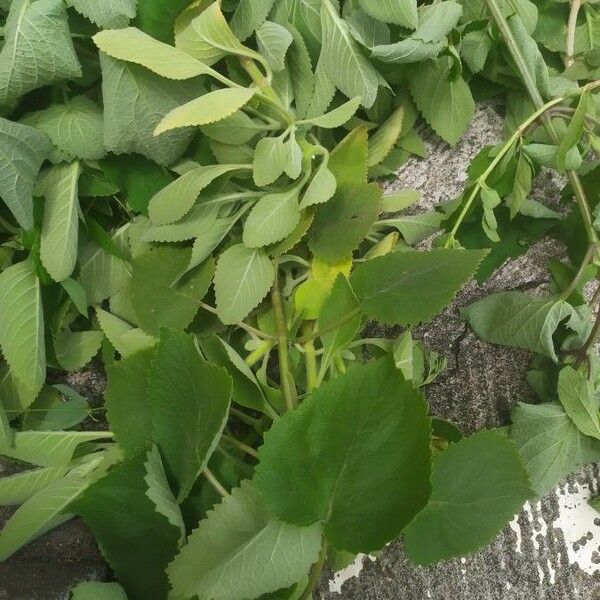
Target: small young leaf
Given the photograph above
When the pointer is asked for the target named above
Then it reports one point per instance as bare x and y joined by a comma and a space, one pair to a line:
249, 15
337, 117
95, 590
242, 279
270, 160
272, 218
576, 394
322, 186
478, 484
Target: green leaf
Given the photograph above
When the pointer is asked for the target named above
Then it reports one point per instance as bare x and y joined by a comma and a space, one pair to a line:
102, 274
475, 47
243, 278
342, 223
43, 511
159, 491
174, 201
577, 396
135, 102
415, 228
270, 160
136, 541
209, 38
16, 489
209, 108
323, 90
272, 218
24, 151
550, 444
75, 349
59, 238
341, 301
50, 448
95, 590
406, 51
51, 413
300, 71
400, 12
411, 287
322, 186
437, 21
199, 223
249, 15
37, 48
237, 129
337, 117
335, 460
478, 484
252, 552
385, 138
189, 399
133, 45
273, 42
572, 135
126, 401
347, 67
127, 340
157, 17
160, 302
74, 128
534, 63
22, 327
519, 320
444, 100
112, 13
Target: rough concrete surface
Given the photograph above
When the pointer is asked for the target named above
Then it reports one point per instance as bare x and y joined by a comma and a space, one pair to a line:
551, 550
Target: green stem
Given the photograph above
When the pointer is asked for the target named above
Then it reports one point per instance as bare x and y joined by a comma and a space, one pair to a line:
497, 159
214, 482
310, 358
321, 332
589, 255
315, 573
590, 342
259, 352
243, 447
242, 416
538, 101
241, 325
571, 26
287, 379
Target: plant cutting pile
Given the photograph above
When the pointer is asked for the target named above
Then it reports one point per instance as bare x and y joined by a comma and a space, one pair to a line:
193, 201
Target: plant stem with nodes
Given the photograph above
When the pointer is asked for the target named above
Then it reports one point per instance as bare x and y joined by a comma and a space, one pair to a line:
287, 379
497, 159
538, 102
571, 25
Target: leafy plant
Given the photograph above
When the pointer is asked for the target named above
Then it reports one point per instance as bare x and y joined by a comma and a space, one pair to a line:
192, 200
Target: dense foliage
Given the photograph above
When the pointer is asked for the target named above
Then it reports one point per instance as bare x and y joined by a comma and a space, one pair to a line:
190, 198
